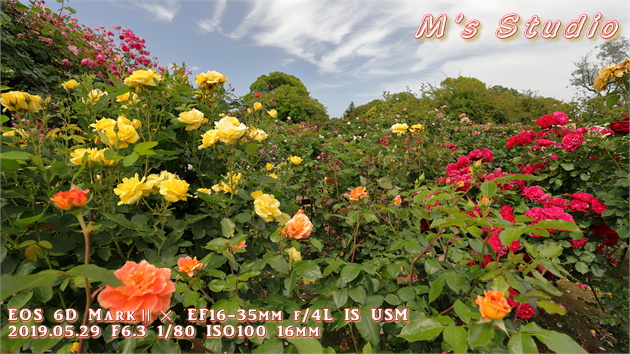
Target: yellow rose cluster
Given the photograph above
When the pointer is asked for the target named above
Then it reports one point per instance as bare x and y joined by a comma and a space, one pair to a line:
228, 130
610, 73
140, 78
14, 133
17, 100
402, 128
266, 206
167, 184
210, 80
94, 156
119, 133
257, 134
194, 118
229, 183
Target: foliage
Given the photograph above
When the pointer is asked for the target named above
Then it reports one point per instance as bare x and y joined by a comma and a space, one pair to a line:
406, 229
607, 53
288, 95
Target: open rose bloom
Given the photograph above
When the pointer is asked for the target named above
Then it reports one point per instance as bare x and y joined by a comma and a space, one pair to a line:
189, 265
145, 288
299, 227
357, 193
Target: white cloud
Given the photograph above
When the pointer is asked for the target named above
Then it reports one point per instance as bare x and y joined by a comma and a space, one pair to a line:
161, 10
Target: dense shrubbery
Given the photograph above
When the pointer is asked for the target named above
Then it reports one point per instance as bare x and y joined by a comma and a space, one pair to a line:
183, 201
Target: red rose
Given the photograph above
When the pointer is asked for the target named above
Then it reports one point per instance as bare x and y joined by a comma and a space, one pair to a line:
560, 118
578, 243
621, 127
511, 142
545, 121
572, 141
525, 137
535, 193
526, 311
506, 213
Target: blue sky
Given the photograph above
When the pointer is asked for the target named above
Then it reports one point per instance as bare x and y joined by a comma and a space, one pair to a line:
348, 50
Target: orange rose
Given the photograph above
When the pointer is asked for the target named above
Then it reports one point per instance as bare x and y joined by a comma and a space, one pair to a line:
397, 200
493, 305
357, 193
189, 265
72, 199
299, 227
145, 288
241, 245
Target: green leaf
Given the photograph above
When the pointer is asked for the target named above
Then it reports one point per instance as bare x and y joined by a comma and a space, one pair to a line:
488, 188
40, 345
436, 288
462, 311
145, 148
555, 224
367, 348
278, 263
369, 329
455, 281
567, 166
385, 183
552, 307
558, 342
22, 223
12, 284
358, 294
550, 249
522, 343
165, 346
340, 297
15, 155
270, 346
227, 227
307, 269
130, 159
97, 273
421, 329
510, 235
306, 345
350, 272
581, 267
456, 338
480, 334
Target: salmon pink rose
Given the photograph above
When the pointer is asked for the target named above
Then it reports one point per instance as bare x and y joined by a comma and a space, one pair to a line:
145, 288
299, 227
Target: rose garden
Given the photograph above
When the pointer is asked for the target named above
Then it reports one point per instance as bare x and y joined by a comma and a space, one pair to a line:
147, 210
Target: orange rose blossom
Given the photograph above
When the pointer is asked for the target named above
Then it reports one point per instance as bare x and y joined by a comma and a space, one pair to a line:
299, 227
72, 199
145, 288
189, 265
357, 193
493, 305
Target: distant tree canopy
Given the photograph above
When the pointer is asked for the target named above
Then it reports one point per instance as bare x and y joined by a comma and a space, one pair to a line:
288, 95
459, 95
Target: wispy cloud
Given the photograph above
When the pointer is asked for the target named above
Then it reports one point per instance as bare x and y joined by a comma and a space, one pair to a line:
161, 10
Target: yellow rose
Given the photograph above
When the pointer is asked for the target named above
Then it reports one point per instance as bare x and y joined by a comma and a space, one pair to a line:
266, 206
209, 138
125, 135
273, 113
194, 118
294, 255
230, 183
258, 134
102, 124
249, 111
211, 79
174, 190
129, 98
296, 160
399, 129
273, 175
16, 100
204, 190
417, 128
94, 96
230, 130
70, 85
130, 190
268, 166
78, 155
257, 106
13, 133
144, 78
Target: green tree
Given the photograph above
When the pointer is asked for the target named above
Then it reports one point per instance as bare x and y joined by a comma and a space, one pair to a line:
586, 68
288, 95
